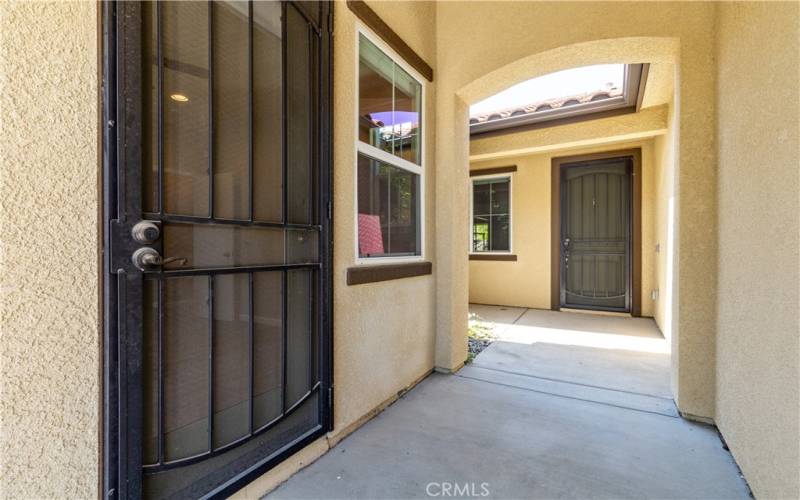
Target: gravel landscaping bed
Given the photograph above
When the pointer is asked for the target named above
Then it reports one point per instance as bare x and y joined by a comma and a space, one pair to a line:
480, 336
478, 345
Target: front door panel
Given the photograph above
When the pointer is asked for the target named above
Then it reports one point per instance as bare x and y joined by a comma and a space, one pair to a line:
595, 235
218, 310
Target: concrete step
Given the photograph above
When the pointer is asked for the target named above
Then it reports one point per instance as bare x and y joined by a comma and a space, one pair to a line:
602, 395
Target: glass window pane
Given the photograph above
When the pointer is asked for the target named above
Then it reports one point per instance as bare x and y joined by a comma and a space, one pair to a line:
390, 103
149, 108
267, 112
388, 210
231, 358
406, 122
403, 229
184, 29
298, 335
500, 197
220, 245
499, 233
375, 93
480, 233
491, 215
186, 352
267, 347
480, 197
299, 107
150, 371
231, 115
302, 246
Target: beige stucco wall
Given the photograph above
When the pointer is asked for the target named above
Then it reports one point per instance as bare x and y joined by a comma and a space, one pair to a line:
384, 332
526, 281
666, 307
473, 62
50, 347
758, 328
663, 178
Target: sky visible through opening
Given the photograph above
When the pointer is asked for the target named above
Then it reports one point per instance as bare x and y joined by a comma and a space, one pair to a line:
556, 85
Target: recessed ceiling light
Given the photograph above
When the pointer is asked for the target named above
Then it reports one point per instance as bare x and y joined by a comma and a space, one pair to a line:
179, 97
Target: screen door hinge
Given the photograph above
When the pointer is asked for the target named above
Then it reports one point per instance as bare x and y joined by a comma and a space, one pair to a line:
330, 210
330, 397
330, 22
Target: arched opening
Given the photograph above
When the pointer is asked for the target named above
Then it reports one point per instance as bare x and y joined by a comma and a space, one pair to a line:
511, 285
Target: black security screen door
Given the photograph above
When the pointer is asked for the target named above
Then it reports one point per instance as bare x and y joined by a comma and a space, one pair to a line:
596, 234
217, 242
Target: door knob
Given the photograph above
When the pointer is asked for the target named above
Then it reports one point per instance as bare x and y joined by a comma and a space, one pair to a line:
566, 242
146, 258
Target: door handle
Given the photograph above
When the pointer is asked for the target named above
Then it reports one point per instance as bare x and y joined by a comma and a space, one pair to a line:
146, 257
566, 242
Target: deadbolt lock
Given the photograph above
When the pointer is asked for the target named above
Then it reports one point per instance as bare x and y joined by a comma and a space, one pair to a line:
145, 232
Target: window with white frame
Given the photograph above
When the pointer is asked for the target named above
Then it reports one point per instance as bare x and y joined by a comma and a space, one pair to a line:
491, 215
389, 145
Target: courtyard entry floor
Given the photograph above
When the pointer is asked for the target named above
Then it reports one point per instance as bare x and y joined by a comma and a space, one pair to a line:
560, 405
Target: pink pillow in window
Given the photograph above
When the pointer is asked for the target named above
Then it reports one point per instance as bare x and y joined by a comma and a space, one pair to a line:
370, 239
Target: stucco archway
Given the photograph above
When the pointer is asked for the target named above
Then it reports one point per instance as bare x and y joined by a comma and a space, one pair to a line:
612, 50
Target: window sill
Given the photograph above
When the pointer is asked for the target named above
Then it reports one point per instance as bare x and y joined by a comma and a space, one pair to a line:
359, 275
493, 256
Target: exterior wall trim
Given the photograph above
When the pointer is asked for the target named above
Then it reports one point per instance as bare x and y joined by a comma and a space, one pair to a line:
358, 275
493, 170
379, 26
493, 256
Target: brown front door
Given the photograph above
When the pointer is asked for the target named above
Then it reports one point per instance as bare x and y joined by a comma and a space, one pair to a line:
595, 244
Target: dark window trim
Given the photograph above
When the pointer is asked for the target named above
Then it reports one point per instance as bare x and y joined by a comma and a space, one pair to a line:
493, 256
359, 275
379, 26
636, 221
629, 102
493, 171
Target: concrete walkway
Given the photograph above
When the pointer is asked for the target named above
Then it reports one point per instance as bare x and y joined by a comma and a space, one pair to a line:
563, 405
